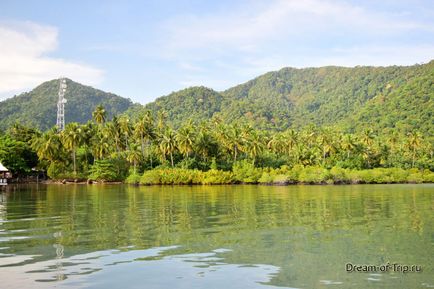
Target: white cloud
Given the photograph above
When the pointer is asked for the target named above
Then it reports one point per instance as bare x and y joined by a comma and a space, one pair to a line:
247, 28
234, 46
24, 60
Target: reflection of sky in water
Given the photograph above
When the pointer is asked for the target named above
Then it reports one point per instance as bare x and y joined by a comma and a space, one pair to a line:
300, 236
136, 269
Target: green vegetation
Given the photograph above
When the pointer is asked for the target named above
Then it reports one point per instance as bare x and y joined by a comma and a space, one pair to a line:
38, 107
282, 176
149, 151
395, 98
313, 125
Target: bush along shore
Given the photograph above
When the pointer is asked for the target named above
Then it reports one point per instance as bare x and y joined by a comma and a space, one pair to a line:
282, 176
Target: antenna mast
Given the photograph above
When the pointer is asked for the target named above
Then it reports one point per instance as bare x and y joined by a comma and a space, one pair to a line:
61, 105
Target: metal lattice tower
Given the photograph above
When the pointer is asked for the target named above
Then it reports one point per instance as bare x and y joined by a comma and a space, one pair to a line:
61, 105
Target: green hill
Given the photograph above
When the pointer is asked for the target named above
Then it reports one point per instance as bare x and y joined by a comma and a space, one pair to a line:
38, 107
379, 97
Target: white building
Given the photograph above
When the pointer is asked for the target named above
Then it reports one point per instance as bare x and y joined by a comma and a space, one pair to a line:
4, 175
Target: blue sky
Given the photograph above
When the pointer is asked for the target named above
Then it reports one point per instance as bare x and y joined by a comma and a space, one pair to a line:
146, 49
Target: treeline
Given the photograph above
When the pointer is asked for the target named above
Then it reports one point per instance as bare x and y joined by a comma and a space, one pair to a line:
147, 150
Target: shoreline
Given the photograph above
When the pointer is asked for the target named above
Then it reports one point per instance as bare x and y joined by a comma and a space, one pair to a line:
56, 182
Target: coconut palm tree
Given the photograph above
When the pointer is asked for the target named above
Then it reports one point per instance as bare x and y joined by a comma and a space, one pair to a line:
414, 142
185, 139
325, 141
348, 144
113, 130
133, 155
48, 146
71, 138
99, 114
167, 144
125, 128
100, 145
277, 143
144, 130
254, 144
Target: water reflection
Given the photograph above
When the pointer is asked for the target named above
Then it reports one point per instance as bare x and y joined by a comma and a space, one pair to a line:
293, 237
150, 268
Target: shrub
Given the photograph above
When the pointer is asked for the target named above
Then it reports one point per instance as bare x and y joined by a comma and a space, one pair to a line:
280, 179
294, 173
55, 170
245, 172
313, 175
217, 177
428, 176
265, 178
415, 176
151, 177
133, 179
339, 175
105, 170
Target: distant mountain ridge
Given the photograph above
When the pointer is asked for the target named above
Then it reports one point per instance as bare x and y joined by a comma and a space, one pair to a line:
381, 98
400, 97
38, 107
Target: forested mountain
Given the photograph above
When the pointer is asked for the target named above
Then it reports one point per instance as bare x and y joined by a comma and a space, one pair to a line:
38, 107
352, 98
382, 98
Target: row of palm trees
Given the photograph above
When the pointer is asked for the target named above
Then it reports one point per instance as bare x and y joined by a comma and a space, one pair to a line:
149, 141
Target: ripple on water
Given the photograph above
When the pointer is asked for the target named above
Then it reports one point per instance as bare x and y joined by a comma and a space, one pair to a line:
138, 268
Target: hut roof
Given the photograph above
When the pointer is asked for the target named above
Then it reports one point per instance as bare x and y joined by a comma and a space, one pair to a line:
3, 168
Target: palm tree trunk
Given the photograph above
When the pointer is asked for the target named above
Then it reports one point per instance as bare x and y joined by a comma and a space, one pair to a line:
73, 162
171, 158
413, 158
142, 144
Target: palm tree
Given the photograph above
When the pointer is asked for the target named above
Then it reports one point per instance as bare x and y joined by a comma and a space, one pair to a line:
291, 138
348, 144
100, 145
325, 140
144, 130
228, 137
114, 131
125, 128
48, 146
234, 140
368, 140
167, 144
254, 145
133, 155
71, 138
185, 139
368, 137
414, 142
161, 120
205, 144
99, 114
277, 143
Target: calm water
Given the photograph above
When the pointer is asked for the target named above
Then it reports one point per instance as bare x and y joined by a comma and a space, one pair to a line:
78, 236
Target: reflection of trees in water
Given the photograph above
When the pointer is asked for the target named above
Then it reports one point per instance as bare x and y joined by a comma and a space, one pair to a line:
283, 226
153, 216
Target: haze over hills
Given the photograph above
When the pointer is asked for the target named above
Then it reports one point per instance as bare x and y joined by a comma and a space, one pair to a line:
382, 98
38, 107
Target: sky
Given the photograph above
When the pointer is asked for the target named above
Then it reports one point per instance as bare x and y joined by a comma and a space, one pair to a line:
146, 49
